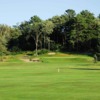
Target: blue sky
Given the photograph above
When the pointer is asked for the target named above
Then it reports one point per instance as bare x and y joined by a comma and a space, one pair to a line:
16, 11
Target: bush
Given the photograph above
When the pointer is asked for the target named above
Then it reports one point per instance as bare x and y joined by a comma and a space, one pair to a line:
43, 51
55, 47
1, 56
98, 56
15, 49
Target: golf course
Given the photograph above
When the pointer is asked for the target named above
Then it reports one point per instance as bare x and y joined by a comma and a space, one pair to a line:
50, 50
54, 77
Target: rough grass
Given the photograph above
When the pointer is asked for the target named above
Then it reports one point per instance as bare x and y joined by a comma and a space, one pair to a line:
78, 79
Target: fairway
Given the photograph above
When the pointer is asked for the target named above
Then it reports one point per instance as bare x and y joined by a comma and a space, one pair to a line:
78, 79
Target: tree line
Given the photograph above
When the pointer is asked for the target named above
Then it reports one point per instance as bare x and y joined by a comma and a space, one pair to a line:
67, 32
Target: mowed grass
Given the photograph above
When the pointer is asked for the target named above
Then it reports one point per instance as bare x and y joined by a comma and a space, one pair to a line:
78, 79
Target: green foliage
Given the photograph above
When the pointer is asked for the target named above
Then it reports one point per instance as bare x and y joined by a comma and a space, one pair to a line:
98, 56
70, 31
15, 49
55, 47
43, 51
70, 13
98, 45
2, 56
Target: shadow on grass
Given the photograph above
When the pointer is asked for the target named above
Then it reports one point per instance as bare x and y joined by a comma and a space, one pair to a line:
78, 53
85, 68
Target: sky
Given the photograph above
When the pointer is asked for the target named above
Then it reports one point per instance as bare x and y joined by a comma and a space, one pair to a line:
14, 12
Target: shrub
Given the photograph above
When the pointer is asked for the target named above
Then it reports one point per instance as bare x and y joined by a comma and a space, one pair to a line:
55, 47
43, 51
15, 49
98, 56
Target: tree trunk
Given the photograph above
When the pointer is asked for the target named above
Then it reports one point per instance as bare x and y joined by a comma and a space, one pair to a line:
36, 45
48, 44
44, 41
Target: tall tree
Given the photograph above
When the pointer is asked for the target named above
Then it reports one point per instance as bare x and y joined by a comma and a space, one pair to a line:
70, 13
36, 30
59, 34
5, 36
26, 41
47, 29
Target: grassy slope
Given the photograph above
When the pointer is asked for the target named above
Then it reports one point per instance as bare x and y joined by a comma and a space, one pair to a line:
78, 79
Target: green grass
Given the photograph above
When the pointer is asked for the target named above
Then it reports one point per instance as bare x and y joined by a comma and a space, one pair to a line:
78, 79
